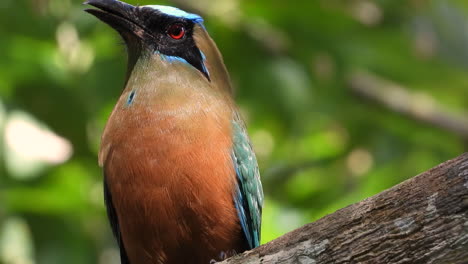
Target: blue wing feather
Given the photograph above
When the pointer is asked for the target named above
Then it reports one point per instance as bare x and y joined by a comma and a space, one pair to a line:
248, 196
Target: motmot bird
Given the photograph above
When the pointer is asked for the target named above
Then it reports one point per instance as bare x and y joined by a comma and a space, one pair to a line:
181, 181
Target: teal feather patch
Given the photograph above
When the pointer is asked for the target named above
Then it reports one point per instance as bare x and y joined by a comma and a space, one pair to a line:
248, 196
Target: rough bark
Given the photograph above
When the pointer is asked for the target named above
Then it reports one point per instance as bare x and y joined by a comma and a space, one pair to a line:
422, 220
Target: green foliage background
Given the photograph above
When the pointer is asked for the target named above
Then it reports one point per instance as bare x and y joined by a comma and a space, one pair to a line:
320, 146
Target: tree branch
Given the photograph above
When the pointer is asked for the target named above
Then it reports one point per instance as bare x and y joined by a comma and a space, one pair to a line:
422, 220
418, 106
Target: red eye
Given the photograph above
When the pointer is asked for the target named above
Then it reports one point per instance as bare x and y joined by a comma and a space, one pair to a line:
176, 31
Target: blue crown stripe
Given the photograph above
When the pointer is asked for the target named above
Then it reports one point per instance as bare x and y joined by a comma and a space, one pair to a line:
176, 12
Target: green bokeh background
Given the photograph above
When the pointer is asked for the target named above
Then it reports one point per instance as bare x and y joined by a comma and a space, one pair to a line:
320, 145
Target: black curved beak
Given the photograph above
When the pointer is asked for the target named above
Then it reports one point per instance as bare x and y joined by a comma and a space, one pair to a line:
125, 19
119, 15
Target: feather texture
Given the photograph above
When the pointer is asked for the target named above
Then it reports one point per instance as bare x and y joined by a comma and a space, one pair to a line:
248, 195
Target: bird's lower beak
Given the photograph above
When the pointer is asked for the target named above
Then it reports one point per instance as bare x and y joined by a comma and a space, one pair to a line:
119, 15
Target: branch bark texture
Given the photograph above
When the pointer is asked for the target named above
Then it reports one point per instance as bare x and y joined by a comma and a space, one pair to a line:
422, 220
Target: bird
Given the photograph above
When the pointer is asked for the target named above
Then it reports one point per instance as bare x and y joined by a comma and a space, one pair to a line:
181, 180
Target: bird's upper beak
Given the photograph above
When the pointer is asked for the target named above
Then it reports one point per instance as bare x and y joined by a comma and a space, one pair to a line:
126, 20
119, 15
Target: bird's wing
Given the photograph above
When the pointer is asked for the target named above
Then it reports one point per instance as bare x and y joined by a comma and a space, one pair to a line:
114, 221
248, 196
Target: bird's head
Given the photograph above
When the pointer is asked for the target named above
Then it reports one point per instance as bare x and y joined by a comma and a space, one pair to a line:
164, 35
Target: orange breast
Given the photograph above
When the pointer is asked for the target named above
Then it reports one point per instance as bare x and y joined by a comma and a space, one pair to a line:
172, 181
